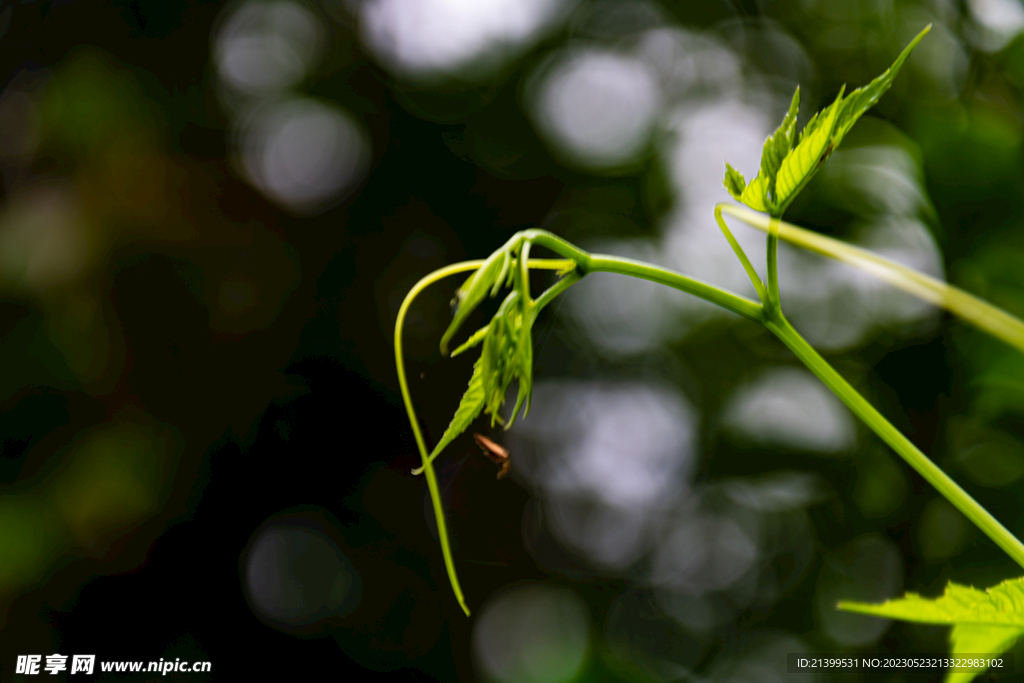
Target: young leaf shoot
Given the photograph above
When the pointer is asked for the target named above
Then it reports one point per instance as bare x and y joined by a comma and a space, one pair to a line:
787, 167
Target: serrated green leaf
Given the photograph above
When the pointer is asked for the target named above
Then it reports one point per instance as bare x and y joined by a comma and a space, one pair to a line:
975, 639
1001, 605
475, 339
524, 372
507, 353
846, 112
984, 622
469, 407
789, 161
507, 356
486, 279
761, 191
809, 127
808, 155
956, 602
778, 146
862, 99
734, 182
756, 194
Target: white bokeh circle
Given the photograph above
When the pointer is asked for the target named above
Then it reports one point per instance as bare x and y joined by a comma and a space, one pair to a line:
304, 154
596, 108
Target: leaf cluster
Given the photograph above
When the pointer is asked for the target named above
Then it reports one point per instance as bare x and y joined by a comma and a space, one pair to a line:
789, 161
507, 353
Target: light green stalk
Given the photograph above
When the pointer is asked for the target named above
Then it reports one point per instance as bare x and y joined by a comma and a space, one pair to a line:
782, 329
981, 517
970, 308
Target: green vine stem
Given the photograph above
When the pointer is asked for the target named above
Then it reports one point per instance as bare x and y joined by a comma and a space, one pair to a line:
973, 310
782, 329
981, 517
625, 266
769, 314
774, 305
428, 469
762, 294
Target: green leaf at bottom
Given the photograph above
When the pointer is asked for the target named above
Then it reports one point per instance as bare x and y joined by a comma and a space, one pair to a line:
470, 406
984, 622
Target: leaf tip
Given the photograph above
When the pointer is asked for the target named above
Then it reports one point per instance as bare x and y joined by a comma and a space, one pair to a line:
734, 182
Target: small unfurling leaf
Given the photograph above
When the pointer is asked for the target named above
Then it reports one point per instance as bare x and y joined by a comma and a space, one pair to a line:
506, 356
475, 339
487, 279
734, 182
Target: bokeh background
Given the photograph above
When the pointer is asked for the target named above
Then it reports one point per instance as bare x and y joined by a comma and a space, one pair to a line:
210, 214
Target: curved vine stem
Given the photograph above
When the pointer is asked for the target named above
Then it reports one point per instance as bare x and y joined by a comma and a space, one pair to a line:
755, 279
428, 469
